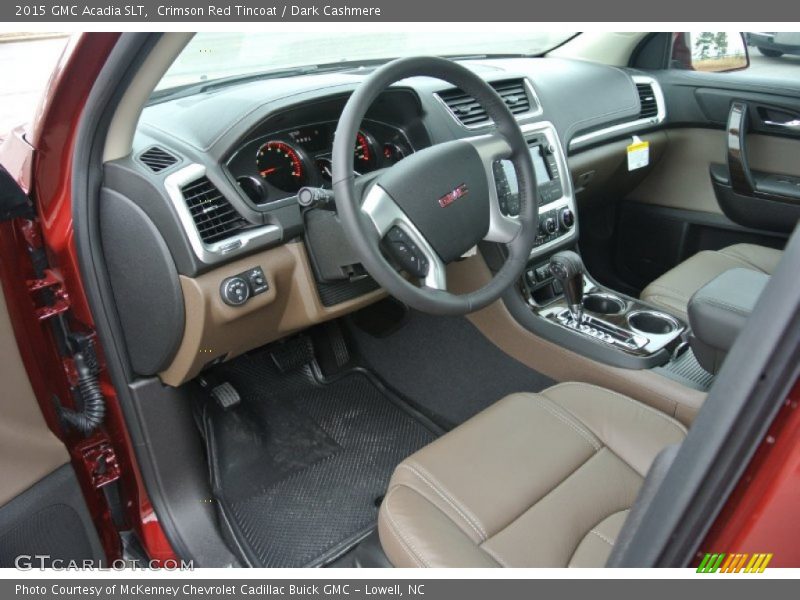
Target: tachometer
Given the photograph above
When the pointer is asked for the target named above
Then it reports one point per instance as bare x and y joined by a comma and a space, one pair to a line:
365, 153
282, 166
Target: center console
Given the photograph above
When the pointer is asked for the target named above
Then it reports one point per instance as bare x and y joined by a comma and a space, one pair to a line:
587, 309
565, 305
559, 301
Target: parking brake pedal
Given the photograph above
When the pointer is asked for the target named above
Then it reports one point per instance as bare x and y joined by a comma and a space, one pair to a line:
226, 395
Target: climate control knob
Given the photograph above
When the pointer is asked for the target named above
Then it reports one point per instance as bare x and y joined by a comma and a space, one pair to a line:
567, 218
235, 291
548, 226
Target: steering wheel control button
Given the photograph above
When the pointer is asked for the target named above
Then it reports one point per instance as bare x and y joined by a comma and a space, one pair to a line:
235, 291
407, 253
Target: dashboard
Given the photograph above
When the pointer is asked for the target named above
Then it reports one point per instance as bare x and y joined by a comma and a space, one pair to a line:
228, 258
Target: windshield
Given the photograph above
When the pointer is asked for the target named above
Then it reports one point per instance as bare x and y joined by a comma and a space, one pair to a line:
211, 56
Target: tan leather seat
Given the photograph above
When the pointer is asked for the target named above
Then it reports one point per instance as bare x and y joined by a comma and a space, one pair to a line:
536, 480
673, 290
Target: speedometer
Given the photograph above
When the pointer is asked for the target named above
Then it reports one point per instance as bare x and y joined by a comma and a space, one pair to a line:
282, 166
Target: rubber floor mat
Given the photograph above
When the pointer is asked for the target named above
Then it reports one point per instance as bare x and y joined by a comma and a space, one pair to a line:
299, 467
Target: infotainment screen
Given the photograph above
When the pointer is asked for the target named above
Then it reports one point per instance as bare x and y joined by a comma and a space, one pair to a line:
548, 180
539, 167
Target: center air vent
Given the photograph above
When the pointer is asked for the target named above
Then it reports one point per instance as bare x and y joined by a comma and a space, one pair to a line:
471, 114
213, 215
157, 159
647, 99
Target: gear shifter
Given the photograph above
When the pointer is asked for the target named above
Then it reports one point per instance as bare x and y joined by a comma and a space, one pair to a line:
567, 267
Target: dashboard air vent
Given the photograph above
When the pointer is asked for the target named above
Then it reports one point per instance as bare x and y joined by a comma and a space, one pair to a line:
471, 114
647, 99
157, 159
213, 215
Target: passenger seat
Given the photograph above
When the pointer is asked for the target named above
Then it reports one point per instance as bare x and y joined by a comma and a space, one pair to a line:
674, 288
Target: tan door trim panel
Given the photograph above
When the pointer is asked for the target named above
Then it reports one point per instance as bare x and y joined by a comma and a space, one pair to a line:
29, 451
681, 178
215, 330
500, 327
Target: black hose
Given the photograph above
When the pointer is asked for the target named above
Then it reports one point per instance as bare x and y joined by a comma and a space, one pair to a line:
94, 404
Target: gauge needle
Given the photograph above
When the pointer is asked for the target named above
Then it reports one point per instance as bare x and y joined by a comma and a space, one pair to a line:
266, 172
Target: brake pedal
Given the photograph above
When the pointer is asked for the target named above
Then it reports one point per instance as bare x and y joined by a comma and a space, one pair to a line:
226, 396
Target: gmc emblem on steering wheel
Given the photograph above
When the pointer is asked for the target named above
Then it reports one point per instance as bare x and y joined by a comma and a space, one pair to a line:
450, 197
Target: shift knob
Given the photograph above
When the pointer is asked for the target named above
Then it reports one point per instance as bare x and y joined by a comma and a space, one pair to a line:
567, 267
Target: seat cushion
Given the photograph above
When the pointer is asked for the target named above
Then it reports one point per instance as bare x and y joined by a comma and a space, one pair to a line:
536, 480
674, 288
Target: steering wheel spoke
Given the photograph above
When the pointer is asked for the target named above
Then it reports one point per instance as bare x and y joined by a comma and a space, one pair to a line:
493, 147
408, 245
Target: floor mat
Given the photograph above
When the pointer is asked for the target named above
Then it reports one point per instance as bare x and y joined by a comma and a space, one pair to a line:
299, 467
445, 365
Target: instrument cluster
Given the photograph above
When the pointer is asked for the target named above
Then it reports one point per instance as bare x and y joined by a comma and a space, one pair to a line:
277, 165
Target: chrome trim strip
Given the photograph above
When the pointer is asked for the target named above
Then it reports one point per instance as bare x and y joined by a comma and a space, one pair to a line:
488, 123
656, 313
630, 125
224, 249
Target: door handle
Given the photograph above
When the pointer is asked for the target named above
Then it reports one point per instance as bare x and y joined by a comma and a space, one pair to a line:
793, 125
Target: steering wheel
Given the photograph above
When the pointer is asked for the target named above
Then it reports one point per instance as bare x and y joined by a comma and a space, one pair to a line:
438, 203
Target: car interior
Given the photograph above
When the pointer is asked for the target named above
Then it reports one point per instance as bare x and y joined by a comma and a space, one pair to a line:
433, 312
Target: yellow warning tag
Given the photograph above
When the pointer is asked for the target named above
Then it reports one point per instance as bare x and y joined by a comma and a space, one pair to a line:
638, 154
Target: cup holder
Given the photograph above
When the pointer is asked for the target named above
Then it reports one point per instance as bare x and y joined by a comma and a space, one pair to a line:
652, 322
603, 304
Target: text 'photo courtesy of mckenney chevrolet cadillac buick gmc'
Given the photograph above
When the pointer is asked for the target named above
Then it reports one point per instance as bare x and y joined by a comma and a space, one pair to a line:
396, 299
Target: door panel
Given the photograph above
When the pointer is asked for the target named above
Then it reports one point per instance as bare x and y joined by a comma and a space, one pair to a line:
766, 199
681, 178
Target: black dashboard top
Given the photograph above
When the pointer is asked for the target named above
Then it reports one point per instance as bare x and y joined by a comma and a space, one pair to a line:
575, 95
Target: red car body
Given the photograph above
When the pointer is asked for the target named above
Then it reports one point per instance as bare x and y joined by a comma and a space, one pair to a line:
760, 516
